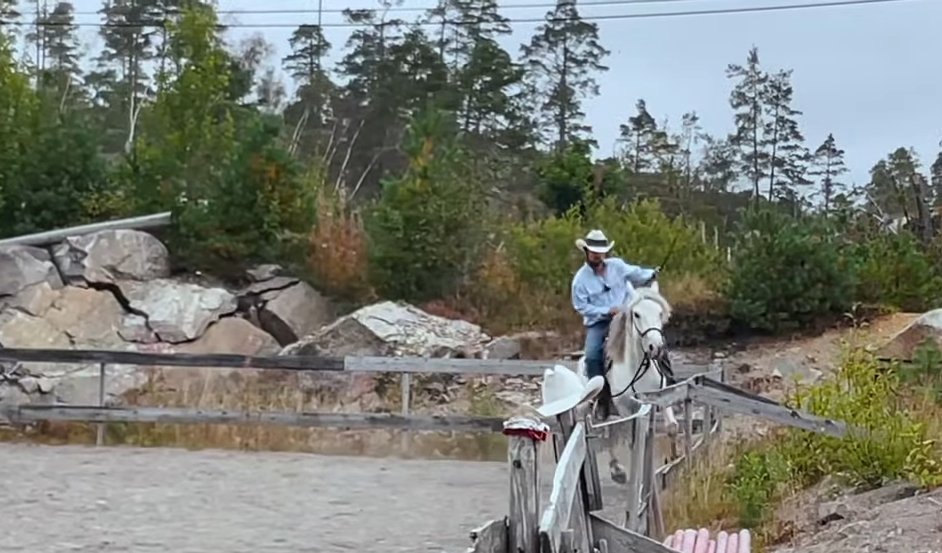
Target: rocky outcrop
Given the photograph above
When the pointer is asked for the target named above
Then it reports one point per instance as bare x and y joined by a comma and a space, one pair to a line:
112, 290
902, 346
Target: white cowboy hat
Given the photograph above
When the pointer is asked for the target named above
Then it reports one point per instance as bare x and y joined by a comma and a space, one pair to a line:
563, 389
595, 241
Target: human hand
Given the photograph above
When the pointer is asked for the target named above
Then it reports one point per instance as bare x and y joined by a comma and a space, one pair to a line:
612, 312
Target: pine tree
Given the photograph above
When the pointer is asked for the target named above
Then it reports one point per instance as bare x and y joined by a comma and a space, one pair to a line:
639, 137
782, 139
62, 48
747, 101
562, 59
9, 16
828, 166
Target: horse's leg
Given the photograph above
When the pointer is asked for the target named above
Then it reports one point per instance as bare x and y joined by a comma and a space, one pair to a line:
621, 433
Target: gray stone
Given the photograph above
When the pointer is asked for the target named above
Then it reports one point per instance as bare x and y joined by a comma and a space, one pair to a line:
112, 255
25, 266
176, 312
294, 312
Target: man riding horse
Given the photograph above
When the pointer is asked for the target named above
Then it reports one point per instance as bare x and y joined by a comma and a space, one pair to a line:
599, 289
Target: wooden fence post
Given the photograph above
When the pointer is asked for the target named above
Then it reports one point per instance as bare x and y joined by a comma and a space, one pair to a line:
524, 437
639, 432
100, 432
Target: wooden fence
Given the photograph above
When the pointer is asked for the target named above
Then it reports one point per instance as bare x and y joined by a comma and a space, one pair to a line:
569, 520
403, 420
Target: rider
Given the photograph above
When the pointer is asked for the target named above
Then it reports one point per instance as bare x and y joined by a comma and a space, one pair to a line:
599, 289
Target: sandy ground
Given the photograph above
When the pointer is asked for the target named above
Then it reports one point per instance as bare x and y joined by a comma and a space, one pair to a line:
82, 499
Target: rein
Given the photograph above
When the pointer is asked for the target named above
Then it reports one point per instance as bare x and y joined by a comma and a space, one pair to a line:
645, 365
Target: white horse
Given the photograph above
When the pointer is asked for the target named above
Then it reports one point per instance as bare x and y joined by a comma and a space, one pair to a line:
637, 351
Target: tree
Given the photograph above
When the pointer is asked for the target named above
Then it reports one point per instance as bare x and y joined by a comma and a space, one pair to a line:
62, 70
747, 100
890, 190
788, 157
828, 166
562, 59
640, 136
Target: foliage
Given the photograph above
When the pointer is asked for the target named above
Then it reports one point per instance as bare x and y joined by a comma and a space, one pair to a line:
788, 272
894, 270
425, 229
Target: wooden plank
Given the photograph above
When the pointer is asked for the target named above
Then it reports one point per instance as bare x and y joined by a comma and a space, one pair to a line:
556, 516
490, 538
635, 488
730, 399
581, 538
523, 457
676, 393
590, 474
622, 540
346, 421
140, 222
438, 365
205, 360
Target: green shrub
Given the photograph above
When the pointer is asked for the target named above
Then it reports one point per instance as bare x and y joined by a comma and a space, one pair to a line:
757, 478
426, 230
894, 270
788, 272
886, 440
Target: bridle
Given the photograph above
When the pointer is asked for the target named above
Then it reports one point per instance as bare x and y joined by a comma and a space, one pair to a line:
645, 364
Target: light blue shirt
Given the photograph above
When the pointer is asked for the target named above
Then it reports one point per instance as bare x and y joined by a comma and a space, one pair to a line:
594, 295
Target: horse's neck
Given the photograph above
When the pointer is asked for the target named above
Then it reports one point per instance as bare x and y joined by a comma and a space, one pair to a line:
623, 373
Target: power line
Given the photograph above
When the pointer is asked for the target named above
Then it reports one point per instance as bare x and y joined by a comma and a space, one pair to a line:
405, 9
613, 17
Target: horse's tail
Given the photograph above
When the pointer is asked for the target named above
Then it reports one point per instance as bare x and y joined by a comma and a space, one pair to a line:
581, 368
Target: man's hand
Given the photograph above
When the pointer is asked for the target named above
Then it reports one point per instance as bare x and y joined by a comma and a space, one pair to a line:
613, 311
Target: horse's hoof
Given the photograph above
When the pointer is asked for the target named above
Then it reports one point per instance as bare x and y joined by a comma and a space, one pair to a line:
619, 475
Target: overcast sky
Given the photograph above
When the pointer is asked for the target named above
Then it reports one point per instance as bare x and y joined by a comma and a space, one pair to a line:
866, 73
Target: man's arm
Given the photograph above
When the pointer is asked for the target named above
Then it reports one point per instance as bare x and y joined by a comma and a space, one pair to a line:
580, 302
635, 274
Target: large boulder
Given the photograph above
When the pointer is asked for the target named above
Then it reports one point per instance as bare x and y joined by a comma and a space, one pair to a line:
902, 346
174, 311
393, 329
293, 312
22, 267
109, 256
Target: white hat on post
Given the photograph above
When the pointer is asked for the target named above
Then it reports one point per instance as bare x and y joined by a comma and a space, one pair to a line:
563, 389
595, 241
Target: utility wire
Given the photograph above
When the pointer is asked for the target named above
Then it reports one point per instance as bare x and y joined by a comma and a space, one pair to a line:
612, 17
400, 9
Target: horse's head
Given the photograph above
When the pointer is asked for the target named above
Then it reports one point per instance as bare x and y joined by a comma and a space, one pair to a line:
647, 312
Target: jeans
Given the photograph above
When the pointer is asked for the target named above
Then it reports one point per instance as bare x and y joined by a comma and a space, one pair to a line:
594, 348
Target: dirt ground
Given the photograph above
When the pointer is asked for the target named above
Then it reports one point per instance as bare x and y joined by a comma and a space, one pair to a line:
57, 499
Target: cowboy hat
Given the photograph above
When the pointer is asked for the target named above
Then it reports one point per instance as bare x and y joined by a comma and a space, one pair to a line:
595, 241
563, 389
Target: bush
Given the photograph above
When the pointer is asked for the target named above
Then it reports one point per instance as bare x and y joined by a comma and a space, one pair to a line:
337, 250
788, 272
894, 270
526, 282
888, 442
426, 230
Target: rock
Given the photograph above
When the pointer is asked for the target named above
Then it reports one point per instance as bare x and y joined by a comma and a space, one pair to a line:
294, 312
523, 345
269, 285
35, 299
901, 346
109, 256
25, 266
263, 272
233, 335
176, 312
392, 329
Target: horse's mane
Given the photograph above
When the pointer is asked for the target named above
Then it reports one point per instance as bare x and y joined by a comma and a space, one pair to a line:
615, 345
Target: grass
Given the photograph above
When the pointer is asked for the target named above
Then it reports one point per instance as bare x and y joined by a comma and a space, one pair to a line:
766, 485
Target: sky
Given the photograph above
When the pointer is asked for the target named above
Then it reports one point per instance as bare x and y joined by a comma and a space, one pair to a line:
866, 73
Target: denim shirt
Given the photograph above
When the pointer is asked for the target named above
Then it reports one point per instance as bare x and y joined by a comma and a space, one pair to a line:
594, 295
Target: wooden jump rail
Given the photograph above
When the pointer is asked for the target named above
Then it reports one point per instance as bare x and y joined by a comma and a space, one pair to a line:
403, 420
569, 521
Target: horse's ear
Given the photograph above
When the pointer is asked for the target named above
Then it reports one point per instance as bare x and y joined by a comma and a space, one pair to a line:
656, 287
